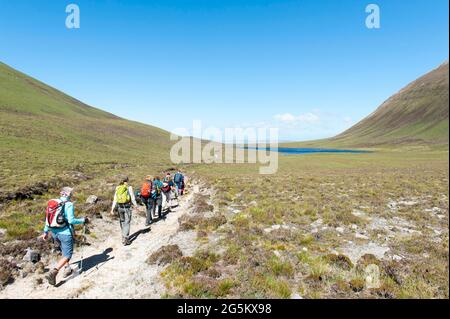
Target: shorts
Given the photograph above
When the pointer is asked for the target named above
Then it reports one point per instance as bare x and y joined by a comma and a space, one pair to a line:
65, 243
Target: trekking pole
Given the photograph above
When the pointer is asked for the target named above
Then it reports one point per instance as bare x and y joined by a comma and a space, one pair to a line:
82, 248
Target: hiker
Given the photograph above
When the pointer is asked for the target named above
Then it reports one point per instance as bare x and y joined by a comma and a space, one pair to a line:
179, 180
123, 199
146, 192
166, 191
157, 196
59, 221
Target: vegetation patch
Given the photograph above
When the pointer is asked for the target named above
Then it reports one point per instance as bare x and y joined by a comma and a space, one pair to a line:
165, 255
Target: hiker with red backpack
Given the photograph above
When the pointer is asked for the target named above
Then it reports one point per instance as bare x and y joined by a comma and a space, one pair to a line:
59, 221
123, 199
146, 192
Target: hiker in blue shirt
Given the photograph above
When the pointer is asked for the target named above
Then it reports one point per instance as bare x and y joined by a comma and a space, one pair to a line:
157, 196
63, 234
178, 180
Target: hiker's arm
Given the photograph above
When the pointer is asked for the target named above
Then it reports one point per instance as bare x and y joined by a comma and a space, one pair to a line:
133, 199
114, 203
71, 215
45, 231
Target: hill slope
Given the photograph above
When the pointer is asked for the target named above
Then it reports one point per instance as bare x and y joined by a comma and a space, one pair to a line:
44, 131
416, 115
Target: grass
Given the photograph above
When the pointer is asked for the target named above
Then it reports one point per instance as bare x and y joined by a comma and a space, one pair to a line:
251, 258
330, 188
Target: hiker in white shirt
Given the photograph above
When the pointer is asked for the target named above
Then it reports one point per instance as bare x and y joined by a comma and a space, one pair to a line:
123, 199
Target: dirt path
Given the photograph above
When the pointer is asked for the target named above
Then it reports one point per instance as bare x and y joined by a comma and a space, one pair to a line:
111, 270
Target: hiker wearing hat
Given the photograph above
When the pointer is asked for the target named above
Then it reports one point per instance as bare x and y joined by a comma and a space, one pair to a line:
123, 199
146, 192
165, 190
59, 221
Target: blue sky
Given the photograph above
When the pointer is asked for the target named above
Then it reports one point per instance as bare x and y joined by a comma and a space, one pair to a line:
311, 68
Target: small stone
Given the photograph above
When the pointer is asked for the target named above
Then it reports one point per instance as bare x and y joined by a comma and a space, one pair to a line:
397, 258
31, 255
354, 226
296, 296
361, 236
305, 249
92, 199
40, 268
2, 232
38, 281
340, 230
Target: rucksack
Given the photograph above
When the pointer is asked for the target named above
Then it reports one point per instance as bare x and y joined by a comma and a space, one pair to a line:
54, 215
178, 178
166, 187
122, 194
156, 189
146, 189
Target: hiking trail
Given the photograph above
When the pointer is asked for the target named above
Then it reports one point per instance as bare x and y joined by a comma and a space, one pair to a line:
111, 270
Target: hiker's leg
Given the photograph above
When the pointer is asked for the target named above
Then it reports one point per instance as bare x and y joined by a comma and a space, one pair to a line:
153, 207
61, 263
163, 198
148, 206
122, 222
66, 244
159, 203
126, 226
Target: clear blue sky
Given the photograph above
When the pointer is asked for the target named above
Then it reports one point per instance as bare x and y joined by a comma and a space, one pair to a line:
310, 67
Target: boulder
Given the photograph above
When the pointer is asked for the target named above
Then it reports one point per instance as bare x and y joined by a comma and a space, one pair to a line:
32, 255
92, 199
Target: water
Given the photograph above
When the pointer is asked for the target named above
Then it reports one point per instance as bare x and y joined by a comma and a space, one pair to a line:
293, 150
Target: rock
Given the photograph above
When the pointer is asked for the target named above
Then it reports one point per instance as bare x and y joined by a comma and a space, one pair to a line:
277, 253
296, 296
40, 268
305, 249
92, 199
354, 227
38, 281
2, 232
358, 213
31, 255
361, 236
372, 273
397, 258
317, 223
340, 230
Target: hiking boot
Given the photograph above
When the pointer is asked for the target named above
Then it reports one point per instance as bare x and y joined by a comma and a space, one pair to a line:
51, 277
67, 272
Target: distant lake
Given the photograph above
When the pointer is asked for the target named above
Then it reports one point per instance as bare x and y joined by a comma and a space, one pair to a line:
294, 150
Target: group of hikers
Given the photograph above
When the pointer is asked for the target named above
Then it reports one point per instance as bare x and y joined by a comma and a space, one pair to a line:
156, 194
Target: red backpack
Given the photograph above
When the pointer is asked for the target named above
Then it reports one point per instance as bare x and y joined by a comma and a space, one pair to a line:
146, 189
54, 215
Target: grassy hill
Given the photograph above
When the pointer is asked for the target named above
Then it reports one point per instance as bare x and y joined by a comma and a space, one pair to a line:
44, 132
416, 115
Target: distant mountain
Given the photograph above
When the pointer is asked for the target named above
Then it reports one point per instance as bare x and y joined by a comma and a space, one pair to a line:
43, 131
417, 115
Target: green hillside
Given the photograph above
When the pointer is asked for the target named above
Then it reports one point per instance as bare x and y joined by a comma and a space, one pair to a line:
415, 116
44, 132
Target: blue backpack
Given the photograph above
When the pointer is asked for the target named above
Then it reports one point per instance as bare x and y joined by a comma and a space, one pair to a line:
178, 178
